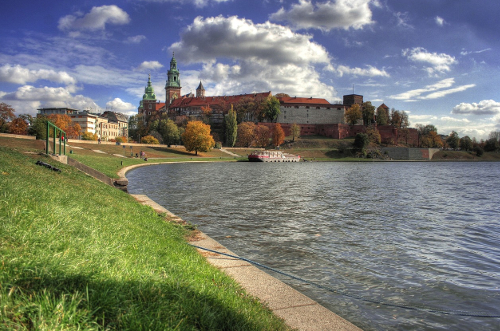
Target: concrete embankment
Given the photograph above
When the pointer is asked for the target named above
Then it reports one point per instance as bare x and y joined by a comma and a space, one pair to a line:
299, 311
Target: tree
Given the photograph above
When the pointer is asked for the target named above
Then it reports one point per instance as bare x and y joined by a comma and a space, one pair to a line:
6, 115
197, 137
231, 127
395, 119
424, 130
353, 114
281, 95
367, 112
39, 127
206, 113
466, 143
245, 135
373, 135
295, 129
361, 141
149, 140
18, 126
278, 135
262, 135
382, 116
272, 109
431, 140
61, 121
491, 145
453, 140
74, 130
169, 131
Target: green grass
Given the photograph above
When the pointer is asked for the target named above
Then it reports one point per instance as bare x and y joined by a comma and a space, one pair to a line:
77, 254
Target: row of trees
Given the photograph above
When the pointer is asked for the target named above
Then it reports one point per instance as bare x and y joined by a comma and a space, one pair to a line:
381, 116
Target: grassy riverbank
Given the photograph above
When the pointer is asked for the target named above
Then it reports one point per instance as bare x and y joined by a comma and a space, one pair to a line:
78, 254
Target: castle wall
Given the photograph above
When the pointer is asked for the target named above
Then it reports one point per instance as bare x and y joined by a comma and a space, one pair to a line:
307, 114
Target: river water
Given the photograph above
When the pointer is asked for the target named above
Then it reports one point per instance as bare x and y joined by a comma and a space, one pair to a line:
382, 235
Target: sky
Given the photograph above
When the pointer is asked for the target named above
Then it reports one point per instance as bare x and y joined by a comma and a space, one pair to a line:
435, 59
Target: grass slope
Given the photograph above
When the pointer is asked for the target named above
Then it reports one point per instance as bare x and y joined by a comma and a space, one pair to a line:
79, 255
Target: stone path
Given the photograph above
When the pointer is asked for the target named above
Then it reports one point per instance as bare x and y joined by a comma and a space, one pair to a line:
228, 152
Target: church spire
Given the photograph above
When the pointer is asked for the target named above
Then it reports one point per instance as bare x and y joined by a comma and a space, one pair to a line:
173, 84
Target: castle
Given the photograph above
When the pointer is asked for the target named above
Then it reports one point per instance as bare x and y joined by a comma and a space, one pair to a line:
315, 116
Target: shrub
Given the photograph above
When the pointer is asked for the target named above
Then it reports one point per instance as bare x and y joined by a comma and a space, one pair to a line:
89, 136
149, 140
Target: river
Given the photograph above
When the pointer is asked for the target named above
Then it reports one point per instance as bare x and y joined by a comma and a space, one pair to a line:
383, 237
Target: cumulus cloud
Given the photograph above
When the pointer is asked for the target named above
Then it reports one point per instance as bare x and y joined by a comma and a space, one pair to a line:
98, 75
118, 105
96, 19
434, 91
21, 75
235, 38
136, 39
239, 56
338, 14
369, 71
27, 98
440, 63
149, 65
485, 107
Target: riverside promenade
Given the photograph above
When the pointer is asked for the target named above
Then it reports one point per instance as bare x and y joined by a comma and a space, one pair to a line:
299, 311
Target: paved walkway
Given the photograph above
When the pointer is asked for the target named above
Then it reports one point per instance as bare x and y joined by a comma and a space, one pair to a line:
298, 311
228, 152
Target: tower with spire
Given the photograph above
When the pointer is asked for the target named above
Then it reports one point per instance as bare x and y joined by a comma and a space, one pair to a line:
200, 91
173, 85
148, 102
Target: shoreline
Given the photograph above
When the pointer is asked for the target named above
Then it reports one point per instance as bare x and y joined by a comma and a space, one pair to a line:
299, 311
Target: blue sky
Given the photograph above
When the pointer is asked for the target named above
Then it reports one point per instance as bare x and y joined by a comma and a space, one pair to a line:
435, 59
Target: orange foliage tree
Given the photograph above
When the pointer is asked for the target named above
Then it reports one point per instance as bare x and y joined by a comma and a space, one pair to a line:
246, 134
197, 137
262, 135
18, 126
278, 135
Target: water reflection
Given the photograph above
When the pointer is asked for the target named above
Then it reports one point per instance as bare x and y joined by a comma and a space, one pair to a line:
405, 233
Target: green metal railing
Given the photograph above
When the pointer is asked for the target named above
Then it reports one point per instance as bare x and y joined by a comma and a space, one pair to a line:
62, 138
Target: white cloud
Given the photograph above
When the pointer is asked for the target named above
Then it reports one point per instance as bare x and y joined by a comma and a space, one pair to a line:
28, 98
439, 20
339, 14
369, 71
439, 90
96, 19
98, 75
118, 105
239, 56
485, 107
453, 119
464, 52
21, 75
136, 39
197, 3
440, 63
235, 38
149, 65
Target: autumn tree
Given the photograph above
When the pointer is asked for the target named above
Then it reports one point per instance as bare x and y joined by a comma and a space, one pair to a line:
206, 113
395, 119
353, 114
197, 137
231, 127
367, 112
281, 95
278, 135
373, 135
262, 135
18, 126
295, 130
74, 130
382, 116
60, 120
6, 115
272, 109
431, 140
245, 135
89, 136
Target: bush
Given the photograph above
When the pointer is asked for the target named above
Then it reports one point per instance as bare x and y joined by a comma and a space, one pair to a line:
479, 151
218, 145
150, 140
121, 139
89, 136
361, 141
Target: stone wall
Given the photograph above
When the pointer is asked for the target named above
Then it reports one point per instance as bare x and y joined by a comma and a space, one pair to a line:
409, 154
91, 172
311, 114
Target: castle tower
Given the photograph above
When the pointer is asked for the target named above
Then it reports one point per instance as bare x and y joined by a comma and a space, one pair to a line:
173, 85
200, 91
148, 102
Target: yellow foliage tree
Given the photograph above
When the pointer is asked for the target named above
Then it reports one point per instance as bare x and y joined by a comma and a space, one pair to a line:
197, 137
278, 135
353, 114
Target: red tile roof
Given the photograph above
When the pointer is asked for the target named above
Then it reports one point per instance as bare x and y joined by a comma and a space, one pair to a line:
214, 101
295, 100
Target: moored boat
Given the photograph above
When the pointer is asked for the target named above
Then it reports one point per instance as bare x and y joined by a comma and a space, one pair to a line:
272, 156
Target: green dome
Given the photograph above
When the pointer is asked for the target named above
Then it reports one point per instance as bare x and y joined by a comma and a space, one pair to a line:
149, 92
